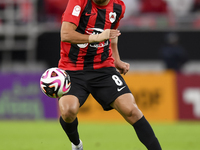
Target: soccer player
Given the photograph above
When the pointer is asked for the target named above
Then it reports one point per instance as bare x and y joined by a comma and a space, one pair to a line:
89, 53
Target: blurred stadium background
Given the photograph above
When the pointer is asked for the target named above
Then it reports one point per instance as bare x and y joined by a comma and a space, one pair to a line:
156, 36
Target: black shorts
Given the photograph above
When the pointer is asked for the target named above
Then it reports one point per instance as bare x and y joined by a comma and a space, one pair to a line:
105, 85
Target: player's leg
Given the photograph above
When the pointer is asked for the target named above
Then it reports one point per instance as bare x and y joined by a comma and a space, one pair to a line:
69, 106
127, 107
116, 94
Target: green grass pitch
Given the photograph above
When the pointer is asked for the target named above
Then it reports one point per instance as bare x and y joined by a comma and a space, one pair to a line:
48, 135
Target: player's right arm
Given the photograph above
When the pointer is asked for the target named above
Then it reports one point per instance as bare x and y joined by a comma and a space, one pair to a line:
69, 34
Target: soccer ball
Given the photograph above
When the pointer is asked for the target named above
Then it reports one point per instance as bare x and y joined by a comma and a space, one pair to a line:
55, 82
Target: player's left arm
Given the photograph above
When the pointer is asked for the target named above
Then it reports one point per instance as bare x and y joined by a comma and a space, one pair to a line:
122, 66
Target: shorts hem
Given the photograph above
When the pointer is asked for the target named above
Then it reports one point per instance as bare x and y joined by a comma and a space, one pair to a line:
115, 97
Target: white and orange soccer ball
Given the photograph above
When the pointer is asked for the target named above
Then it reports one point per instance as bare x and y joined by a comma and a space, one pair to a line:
55, 82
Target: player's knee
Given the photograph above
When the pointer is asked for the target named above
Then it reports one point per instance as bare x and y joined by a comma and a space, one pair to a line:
133, 114
69, 115
69, 106
132, 111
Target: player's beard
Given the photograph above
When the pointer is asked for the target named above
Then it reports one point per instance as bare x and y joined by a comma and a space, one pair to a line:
100, 2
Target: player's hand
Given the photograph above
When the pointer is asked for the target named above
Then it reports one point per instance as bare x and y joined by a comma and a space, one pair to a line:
122, 67
114, 33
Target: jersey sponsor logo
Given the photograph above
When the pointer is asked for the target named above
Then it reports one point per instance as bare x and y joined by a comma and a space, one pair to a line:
112, 16
89, 14
83, 45
91, 31
94, 30
97, 31
76, 11
99, 45
119, 89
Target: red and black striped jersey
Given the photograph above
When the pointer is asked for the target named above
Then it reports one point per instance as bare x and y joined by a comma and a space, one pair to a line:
90, 19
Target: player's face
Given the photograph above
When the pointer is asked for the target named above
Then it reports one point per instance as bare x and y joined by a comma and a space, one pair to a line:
101, 2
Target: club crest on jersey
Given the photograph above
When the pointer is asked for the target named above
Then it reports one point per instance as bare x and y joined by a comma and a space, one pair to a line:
112, 16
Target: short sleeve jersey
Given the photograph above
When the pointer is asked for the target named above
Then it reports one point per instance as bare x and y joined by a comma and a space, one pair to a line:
90, 19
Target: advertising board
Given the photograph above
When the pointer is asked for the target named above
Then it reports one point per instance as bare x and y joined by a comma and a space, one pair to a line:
155, 94
188, 96
21, 98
